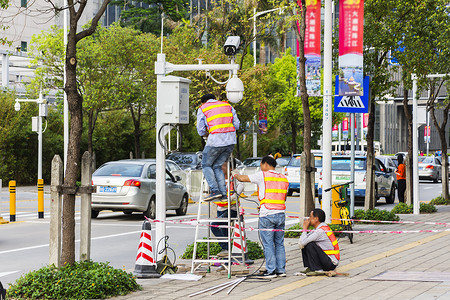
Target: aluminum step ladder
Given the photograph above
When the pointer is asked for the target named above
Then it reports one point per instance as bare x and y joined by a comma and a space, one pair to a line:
196, 263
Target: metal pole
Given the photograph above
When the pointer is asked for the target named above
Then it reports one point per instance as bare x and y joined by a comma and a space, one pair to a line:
339, 135
327, 109
255, 139
254, 36
428, 127
40, 137
5, 70
362, 132
160, 162
352, 164
66, 103
415, 149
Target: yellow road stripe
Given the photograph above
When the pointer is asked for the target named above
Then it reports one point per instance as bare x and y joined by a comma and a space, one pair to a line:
309, 280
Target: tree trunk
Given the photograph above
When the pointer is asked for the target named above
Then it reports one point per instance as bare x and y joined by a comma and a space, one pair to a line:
442, 137
283, 43
309, 200
137, 130
262, 53
294, 138
75, 101
370, 199
410, 145
92, 118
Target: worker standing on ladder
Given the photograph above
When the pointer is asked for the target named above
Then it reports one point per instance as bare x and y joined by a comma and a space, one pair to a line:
273, 188
216, 120
222, 209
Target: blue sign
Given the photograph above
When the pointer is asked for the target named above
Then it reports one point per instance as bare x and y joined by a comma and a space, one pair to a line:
352, 104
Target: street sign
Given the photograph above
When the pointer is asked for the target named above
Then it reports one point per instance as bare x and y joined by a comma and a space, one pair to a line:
352, 104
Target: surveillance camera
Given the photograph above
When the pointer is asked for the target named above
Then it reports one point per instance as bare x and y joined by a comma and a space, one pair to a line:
235, 89
17, 106
231, 45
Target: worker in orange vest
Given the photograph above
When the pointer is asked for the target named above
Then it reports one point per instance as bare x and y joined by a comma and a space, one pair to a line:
320, 249
273, 187
217, 121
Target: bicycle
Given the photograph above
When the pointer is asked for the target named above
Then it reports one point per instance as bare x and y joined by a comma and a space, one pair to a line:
343, 210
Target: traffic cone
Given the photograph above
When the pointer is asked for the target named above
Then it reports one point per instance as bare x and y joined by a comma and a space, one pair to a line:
145, 263
236, 251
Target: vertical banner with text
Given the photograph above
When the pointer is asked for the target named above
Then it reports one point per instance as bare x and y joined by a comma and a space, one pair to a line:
351, 21
365, 123
262, 119
345, 128
312, 48
335, 131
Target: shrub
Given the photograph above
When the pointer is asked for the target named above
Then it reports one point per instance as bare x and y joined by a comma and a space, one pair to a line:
403, 208
254, 250
81, 280
375, 214
295, 234
440, 201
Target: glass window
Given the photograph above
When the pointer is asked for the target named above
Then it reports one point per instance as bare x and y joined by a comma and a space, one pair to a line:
151, 172
295, 161
23, 3
129, 170
23, 46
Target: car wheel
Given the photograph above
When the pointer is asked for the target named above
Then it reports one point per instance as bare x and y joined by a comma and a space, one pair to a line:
151, 209
435, 180
391, 198
183, 206
289, 193
94, 213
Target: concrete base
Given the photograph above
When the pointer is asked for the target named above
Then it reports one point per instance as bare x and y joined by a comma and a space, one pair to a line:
142, 271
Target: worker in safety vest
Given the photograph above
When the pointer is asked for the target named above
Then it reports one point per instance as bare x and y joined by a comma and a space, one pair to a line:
216, 120
320, 249
222, 208
273, 188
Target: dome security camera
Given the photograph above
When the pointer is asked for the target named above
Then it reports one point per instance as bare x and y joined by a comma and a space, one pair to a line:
17, 106
235, 89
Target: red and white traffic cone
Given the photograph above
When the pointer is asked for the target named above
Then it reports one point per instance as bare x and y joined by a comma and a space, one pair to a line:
236, 251
145, 263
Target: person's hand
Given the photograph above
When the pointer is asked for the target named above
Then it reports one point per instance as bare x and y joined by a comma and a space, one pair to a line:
306, 223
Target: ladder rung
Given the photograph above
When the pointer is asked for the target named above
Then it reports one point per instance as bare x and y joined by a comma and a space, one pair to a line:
210, 261
222, 220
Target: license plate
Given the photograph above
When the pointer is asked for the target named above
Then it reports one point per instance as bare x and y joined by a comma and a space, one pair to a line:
108, 189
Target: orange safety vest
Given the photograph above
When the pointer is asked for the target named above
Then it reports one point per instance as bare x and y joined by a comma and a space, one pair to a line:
276, 187
219, 116
224, 203
333, 241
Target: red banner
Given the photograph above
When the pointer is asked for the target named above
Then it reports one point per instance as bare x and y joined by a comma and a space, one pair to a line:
365, 120
312, 30
351, 28
335, 127
345, 124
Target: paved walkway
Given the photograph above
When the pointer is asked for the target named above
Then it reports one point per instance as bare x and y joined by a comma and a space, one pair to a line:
369, 255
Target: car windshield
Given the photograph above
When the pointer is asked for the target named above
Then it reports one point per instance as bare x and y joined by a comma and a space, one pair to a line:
295, 161
283, 161
318, 160
252, 162
426, 160
184, 159
343, 164
129, 170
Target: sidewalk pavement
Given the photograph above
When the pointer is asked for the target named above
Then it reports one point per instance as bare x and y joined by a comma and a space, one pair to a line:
369, 255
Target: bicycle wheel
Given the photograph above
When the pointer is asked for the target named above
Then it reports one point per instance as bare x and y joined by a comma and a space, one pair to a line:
349, 234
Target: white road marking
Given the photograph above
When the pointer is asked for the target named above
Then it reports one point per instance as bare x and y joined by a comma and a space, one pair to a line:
8, 273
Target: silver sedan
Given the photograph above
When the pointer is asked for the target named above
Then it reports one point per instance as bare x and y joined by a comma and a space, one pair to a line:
429, 168
129, 186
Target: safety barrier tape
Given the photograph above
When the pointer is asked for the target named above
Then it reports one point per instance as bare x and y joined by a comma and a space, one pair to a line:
193, 222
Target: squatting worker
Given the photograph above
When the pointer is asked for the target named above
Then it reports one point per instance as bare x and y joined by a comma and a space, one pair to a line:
222, 208
273, 188
320, 249
218, 121
401, 178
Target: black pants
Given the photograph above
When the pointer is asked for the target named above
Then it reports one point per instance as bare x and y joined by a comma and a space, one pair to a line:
401, 190
315, 259
222, 232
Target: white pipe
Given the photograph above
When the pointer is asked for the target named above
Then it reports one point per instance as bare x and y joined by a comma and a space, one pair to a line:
415, 149
254, 37
255, 138
40, 137
362, 133
339, 135
327, 109
352, 164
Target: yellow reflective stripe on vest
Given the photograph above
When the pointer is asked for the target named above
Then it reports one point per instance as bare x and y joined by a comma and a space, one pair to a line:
272, 201
214, 106
275, 179
334, 242
221, 126
330, 252
329, 232
276, 191
219, 116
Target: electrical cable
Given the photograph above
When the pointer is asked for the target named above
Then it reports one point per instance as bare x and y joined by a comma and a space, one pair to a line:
208, 74
166, 246
46, 125
162, 140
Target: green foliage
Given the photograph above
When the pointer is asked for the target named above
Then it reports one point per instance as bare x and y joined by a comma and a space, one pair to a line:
296, 234
440, 201
81, 280
375, 214
253, 248
403, 208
